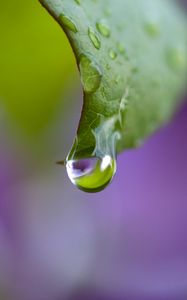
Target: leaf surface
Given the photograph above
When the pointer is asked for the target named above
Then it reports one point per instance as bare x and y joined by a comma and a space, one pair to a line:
132, 60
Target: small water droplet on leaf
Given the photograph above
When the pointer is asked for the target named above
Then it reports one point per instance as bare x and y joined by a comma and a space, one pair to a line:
78, 2
103, 28
121, 48
152, 29
94, 38
90, 74
112, 54
68, 23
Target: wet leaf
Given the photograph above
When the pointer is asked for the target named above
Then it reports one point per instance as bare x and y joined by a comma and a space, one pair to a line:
132, 60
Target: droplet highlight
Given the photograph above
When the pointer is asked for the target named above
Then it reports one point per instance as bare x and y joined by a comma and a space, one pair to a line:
103, 28
91, 174
68, 23
94, 38
90, 74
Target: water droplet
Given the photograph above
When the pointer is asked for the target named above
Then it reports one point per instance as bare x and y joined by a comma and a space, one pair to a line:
176, 58
103, 28
91, 174
94, 38
68, 23
152, 29
121, 48
90, 74
92, 169
78, 2
112, 54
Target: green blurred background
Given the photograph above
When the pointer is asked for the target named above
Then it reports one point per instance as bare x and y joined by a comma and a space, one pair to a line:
37, 67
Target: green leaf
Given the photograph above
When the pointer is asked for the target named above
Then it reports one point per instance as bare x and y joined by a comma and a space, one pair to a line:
132, 60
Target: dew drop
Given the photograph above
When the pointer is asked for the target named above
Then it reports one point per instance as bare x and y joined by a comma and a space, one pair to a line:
68, 23
152, 29
78, 2
112, 54
90, 74
94, 38
103, 28
91, 174
92, 169
121, 48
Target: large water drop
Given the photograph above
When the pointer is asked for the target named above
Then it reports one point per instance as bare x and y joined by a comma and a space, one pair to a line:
92, 169
91, 174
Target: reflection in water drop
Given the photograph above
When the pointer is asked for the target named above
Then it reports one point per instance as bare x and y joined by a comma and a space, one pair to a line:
91, 174
94, 171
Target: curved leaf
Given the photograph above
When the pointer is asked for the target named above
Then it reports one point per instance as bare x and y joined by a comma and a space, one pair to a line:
132, 60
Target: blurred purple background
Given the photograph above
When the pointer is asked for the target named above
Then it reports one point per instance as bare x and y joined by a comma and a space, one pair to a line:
128, 242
